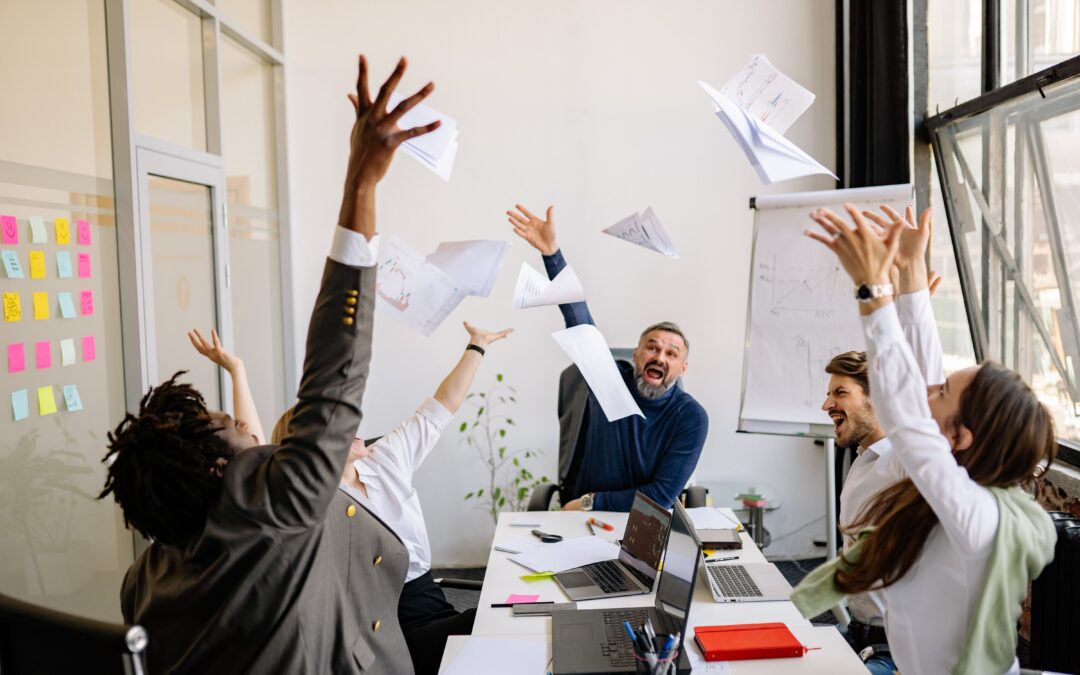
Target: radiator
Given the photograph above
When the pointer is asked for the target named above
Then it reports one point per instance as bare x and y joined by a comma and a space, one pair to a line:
1055, 603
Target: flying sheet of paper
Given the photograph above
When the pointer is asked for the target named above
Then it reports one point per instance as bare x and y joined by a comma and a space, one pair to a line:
411, 290
533, 288
498, 654
435, 150
644, 229
588, 350
767, 94
774, 157
567, 554
708, 518
474, 265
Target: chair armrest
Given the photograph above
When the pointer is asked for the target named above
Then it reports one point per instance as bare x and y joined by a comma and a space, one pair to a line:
540, 500
463, 584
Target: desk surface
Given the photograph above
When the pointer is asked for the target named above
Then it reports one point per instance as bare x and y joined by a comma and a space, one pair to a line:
503, 577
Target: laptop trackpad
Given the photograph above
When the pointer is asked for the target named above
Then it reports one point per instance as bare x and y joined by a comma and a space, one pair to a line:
580, 632
575, 580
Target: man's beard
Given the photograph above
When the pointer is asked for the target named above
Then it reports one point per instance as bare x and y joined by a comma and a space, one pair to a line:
858, 428
651, 392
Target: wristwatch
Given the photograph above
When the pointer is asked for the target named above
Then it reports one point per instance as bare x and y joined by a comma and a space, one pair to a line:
868, 292
586, 501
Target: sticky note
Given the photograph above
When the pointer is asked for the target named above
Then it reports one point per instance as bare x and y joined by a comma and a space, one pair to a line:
11, 264
84, 265
9, 230
16, 357
37, 230
86, 303
515, 599
67, 305
82, 229
89, 349
20, 405
72, 400
67, 352
41, 305
538, 576
46, 403
63, 264
63, 231
37, 264
12, 307
44, 354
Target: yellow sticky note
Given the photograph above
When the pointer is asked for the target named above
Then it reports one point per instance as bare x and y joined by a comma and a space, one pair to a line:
46, 403
41, 305
63, 231
37, 264
12, 307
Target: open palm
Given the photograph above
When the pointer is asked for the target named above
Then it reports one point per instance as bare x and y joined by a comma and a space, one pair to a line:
539, 233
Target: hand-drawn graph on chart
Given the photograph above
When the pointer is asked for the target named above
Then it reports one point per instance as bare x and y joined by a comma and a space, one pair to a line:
805, 287
809, 379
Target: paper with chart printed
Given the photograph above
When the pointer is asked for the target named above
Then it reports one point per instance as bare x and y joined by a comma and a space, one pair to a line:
589, 351
412, 291
474, 265
534, 289
768, 95
644, 229
435, 150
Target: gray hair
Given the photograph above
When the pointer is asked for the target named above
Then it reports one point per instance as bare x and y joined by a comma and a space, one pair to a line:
668, 326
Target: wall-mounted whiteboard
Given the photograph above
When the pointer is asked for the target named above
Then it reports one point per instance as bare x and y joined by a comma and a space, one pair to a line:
801, 312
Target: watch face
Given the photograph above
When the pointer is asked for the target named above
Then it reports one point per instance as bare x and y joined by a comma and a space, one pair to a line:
864, 292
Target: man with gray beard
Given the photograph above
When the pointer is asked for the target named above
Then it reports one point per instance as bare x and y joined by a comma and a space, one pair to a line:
654, 455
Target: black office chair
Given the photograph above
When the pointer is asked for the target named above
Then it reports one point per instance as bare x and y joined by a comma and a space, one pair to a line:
573, 414
1054, 598
36, 640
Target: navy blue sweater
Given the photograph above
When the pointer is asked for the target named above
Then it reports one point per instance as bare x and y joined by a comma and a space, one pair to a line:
655, 455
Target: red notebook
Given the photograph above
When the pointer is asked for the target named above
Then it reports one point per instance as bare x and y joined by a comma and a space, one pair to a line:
747, 641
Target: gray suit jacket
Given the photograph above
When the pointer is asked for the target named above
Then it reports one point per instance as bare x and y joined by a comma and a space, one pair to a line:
258, 590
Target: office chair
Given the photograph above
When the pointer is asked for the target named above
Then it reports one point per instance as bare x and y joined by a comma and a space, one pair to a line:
1054, 597
573, 413
36, 640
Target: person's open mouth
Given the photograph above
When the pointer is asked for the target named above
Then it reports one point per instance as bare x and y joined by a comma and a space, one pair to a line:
655, 374
839, 422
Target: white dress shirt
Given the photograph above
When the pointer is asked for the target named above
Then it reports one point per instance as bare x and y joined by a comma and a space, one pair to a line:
353, 249
387, 476
928, 610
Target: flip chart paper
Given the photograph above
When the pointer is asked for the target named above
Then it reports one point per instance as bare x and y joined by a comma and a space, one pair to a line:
67, 305
71, 398
9, 230
533, 288
84, 265
587, 348
82, 229
20, 404
44, 354
63, 231
46, 401
37, 264
86, 303
67, 352
12, 307
37, 230
16, 357
63, 264
89, 349
41, 305
645, 231
12, 268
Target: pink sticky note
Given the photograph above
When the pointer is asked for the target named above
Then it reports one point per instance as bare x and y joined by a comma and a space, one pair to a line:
82, 229
516, 599
9, 230
89, 349
86, 303
84, 265
44, 354
16, 357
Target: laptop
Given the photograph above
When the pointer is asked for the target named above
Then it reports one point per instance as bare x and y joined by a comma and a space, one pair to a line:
746, 582
634, 572
593, 641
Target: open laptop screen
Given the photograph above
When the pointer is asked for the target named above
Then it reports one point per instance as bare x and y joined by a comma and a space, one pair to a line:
680, 566
644, 538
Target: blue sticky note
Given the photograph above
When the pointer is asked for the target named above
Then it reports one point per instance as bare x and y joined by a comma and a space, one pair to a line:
71, 398
11, 264
20, 404
63, 264
67, 305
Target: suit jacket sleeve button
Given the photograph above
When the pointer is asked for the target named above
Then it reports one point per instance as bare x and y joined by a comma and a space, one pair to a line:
351, 511
351, 300
375, 626
348, 321
350, 310
377, 560
352, 292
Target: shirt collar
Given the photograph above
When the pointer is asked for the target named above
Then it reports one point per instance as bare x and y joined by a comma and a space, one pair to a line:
365, 468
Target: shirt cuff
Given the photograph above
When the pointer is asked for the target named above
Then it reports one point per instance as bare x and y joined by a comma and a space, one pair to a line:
435, 412
353, 249
912, 306
882, 326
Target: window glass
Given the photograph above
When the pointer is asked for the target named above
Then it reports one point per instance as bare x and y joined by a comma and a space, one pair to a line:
954, 42
252, 16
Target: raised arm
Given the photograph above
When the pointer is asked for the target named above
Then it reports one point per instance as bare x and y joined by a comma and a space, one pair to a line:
540, 233
243, 403
453, 389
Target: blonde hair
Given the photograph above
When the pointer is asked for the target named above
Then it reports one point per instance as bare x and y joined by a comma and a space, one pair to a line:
281, 429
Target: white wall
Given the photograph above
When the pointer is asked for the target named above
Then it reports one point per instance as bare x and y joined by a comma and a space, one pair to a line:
592, 106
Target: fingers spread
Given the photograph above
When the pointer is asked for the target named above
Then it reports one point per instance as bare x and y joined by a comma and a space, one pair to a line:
408, 104
891, 212
362, 94
528, 214
402, 136
388, 87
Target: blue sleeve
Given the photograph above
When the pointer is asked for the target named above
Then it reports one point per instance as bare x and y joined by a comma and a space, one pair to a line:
577, 313
673, 469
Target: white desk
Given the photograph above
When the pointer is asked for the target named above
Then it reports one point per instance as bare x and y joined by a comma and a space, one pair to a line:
503, 577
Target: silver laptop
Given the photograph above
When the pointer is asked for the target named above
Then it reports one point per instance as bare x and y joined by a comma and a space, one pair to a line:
639, 558
746, 582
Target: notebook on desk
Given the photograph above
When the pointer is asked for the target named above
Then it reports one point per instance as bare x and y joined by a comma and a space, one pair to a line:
747, 641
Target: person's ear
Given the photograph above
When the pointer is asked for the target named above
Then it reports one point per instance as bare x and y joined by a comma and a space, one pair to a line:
962, 438
685, 367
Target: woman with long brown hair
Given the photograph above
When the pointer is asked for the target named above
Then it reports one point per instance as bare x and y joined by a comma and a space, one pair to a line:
955, 544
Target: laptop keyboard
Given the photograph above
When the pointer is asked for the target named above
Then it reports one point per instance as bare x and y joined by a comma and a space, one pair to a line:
607, 576
733, 581
618, 648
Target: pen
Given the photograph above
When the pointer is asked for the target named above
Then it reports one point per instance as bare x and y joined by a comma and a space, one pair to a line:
591, 530
511, 604
600, 523
668, 644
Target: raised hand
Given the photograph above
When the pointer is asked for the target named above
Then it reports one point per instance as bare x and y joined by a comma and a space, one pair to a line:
482, 338
865, 255
539, 233
213, 350
913, 238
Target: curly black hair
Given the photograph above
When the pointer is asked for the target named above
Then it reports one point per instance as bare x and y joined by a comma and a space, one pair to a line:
161, 463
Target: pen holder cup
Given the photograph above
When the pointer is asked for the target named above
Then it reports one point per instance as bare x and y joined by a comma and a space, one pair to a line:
652, 664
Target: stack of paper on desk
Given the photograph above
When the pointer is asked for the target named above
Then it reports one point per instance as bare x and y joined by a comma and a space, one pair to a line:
436, 150
644, 230
589, 351
708, 518
533, 289
567, 554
